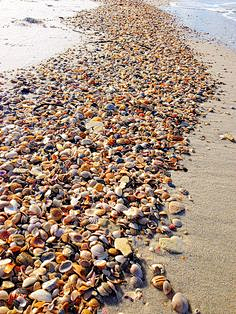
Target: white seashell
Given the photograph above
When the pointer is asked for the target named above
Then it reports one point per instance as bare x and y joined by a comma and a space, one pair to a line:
41, 295
118, 191
98, 252
180, 303
50, 284
29, 282
120, 208
65, 266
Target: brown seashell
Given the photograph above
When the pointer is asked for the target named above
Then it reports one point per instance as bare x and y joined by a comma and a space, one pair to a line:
100, 264
37, 242
79, 270
158, 282
100, 212
24, 259
56, 214
157, 269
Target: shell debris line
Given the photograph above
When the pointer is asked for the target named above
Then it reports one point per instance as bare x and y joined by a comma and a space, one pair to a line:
88, 140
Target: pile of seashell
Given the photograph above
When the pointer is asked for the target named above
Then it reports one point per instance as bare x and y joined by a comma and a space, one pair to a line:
179, 302
88, 140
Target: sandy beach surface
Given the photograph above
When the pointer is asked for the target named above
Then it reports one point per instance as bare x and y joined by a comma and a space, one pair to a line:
70, 109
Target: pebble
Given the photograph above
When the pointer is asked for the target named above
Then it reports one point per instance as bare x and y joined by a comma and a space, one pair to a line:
172, 245
176, 207
122, 244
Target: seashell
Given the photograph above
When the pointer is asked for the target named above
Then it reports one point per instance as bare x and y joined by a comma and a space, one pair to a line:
116, 234
48, 257
118, 191
84, 254
120, 208
92, 227
86, 311
157, 269
136, 270
113, 252
4, 295
65, 266
7, 285
24, 259
29, 282
93, 303
98, 252
158, 282
41, 295
136, 282
104, 289
4, 310
80, 271
100, 264
37, 242
167, 287
120, 259
56, 214
50, 285
180, 303
22, 302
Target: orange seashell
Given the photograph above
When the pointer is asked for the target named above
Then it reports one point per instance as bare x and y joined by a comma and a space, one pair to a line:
80, 271
9, 267
83, 289
92, 227
94, 303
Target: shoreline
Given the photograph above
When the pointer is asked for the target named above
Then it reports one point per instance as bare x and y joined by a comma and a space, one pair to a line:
175, 272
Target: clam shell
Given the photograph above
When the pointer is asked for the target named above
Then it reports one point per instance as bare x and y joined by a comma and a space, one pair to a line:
41, 295
167, 287
180, 303
65, 266
158, 282
136, 270
29, 282
136, 282
98, 251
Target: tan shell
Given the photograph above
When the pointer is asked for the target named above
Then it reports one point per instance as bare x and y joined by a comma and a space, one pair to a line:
158, 282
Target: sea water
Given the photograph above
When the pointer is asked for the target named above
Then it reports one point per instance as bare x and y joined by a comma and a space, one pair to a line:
216, 18
33, 30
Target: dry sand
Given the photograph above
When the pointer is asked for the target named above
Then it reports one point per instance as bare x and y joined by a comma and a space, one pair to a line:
206, 273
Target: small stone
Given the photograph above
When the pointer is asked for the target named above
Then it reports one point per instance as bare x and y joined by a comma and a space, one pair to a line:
172, 245
122, 244
180, 303
41, 295
176, 207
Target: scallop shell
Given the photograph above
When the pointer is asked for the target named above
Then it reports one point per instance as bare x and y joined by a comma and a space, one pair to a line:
136, 282
136, 270
98, 251
158, 282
